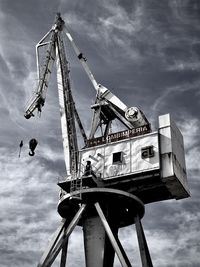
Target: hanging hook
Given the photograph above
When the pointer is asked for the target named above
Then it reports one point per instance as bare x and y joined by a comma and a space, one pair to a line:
32, 145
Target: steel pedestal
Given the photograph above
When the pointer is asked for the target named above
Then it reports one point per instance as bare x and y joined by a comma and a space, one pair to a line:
101, 212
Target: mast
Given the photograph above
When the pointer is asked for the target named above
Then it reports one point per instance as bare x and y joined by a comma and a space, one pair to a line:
67, 110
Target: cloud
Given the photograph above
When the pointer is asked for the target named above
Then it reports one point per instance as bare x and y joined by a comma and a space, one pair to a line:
181, 65
25, 207
110, 27
173, 93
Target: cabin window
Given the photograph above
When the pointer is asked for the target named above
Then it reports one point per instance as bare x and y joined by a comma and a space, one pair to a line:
117, 158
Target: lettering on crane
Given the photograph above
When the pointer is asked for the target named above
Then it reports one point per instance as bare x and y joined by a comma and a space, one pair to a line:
119, 136
147, 152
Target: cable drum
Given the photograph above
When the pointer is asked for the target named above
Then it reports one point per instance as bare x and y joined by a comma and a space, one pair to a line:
132, 114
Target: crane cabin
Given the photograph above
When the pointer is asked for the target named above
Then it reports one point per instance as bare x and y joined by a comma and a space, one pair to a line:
150, 165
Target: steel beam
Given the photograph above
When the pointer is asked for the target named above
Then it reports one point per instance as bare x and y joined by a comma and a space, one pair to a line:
144, 251
52, 243
63, 239
124, 260
61, 243
64, 255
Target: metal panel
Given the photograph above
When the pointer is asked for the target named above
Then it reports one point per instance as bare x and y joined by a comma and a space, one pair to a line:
118, 168
173, 170
101, 157
166, 152
178, 156
97, 158
138, 164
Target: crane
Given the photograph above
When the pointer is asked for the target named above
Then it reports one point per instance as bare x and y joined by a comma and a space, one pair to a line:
128, 171
107, 106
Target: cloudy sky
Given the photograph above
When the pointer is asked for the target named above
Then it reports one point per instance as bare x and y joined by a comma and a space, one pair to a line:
147, 52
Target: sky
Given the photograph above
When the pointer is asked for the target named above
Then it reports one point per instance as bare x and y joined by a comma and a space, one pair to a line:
147, 52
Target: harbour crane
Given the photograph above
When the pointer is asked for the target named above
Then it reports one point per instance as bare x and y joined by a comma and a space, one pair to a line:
122, 172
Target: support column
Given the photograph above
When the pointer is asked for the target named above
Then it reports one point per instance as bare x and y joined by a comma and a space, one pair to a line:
144, 251
115, 242
64, 255
52, 244
60, 241
98, 251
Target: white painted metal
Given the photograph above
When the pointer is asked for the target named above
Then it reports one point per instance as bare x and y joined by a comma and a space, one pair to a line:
101, 157
97, 158
63, 114
111, 98
117, 169
138, 164
173, 157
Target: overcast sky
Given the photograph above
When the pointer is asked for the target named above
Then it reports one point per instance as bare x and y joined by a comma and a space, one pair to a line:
147, 52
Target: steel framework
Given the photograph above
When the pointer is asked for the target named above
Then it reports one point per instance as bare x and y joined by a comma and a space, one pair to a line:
105, 210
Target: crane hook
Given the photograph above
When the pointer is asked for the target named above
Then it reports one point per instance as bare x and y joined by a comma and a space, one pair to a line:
32, 145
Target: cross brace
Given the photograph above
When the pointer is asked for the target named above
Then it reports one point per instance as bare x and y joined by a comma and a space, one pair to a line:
60, 241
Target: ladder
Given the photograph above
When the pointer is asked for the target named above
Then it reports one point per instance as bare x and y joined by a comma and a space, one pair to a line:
76, 186
76, 183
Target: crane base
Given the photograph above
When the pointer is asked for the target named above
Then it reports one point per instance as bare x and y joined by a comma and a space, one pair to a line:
101, 212
121, 206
